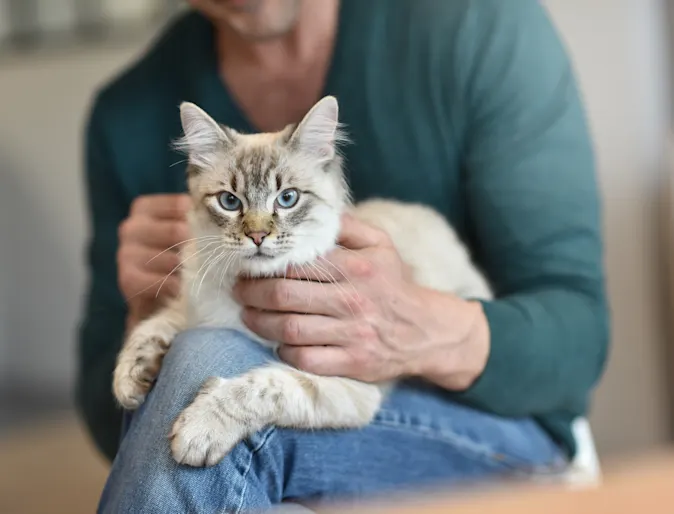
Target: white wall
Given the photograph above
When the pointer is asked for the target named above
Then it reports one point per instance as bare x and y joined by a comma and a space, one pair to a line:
619, 51
44, 101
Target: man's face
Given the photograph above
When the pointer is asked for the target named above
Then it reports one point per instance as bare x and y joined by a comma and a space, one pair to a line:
252, 19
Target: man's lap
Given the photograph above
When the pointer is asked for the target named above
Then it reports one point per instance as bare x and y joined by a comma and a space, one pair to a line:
418, 438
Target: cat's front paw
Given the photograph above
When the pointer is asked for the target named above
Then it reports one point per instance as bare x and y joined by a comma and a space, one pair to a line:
137, 370
204, 432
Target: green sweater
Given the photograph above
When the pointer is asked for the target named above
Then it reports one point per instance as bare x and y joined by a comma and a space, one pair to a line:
469, 106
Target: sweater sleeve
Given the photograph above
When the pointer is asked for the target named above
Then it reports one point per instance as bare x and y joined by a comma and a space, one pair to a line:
102, 327
533, 211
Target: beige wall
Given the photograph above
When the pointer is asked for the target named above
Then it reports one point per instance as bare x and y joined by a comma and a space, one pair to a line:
618, 50
619, 47
42, 111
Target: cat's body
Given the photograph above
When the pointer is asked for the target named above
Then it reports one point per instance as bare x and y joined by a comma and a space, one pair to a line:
227, 410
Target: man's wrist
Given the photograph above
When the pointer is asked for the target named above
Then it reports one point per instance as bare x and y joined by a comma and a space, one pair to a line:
460, 343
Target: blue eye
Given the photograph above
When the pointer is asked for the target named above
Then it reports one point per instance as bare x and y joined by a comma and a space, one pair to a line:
288, 198
229, 202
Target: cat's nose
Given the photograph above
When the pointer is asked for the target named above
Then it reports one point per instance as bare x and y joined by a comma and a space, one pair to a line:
257, 237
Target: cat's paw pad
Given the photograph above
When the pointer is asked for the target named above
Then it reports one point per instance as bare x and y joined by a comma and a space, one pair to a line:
204, 433
137, 371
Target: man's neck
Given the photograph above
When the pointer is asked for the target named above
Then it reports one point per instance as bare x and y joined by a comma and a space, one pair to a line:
312, 36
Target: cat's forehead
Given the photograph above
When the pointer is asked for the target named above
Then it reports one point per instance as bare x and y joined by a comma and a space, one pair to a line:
258, 165
256, 159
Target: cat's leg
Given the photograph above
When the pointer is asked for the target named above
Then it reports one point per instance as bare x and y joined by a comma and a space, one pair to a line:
140, 359
226, 411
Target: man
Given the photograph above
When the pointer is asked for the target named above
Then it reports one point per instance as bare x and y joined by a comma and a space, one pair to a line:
469, 106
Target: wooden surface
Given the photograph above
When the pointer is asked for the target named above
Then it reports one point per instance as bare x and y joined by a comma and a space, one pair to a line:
635, 486
51, 468
54, 469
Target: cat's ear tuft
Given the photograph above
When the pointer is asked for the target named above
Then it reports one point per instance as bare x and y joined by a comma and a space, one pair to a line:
318, 134
202, 138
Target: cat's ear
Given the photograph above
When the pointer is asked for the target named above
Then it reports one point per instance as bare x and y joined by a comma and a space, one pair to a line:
318, 133
203, 137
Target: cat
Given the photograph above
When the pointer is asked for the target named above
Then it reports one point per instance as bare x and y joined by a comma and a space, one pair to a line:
263, 202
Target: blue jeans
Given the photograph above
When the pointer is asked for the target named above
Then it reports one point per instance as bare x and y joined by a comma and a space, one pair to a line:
420, 438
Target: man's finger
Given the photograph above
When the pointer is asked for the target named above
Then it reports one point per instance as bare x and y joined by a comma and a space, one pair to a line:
321, 360
162, 206
331, 268
356, 234
336, 266
297, 296
149, 259
159, 234
149, 285
299, 329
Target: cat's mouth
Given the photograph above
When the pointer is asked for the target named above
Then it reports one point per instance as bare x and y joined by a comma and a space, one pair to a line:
260, 254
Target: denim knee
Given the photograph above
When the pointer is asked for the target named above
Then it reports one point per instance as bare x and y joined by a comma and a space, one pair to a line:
207, 352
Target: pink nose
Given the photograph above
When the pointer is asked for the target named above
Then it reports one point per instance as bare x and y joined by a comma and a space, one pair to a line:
257, 237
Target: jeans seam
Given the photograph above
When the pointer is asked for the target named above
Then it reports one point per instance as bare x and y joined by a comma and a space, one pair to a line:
472, 449
253, 452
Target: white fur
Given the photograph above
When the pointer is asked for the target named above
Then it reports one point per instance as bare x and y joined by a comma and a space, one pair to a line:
203, 136
318, 133
228, 410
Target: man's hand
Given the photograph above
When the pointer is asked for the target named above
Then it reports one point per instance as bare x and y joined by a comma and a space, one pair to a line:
361, 316
155, 223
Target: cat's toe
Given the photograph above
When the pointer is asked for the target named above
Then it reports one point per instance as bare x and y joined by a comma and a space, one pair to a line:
137, 371
130, 400
130, 392
201, 438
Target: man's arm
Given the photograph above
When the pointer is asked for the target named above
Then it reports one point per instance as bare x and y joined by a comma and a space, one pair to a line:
102, 329
533, 211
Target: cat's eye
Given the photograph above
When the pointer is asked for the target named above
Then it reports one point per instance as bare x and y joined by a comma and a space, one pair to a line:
288, 198
229, 202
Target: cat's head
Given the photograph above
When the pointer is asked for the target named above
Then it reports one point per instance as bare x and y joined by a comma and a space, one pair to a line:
266, 200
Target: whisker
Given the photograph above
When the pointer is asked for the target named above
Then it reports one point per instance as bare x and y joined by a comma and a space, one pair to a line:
230, 260
219, 257
317, 269
310, 295
163, 279
180, 264
203, 238
216, 260
360, 256
337, 284
212, 255
176, 163
343, 274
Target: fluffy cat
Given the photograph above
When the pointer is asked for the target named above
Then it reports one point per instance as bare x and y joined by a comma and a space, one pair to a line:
261, 203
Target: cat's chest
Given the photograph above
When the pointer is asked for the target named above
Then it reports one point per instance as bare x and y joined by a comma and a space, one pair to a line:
210, 304
209, 307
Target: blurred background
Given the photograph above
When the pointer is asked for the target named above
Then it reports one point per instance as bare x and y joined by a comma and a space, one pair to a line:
54, 53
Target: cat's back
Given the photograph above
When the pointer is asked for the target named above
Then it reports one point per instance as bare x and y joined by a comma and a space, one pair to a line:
428, 244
